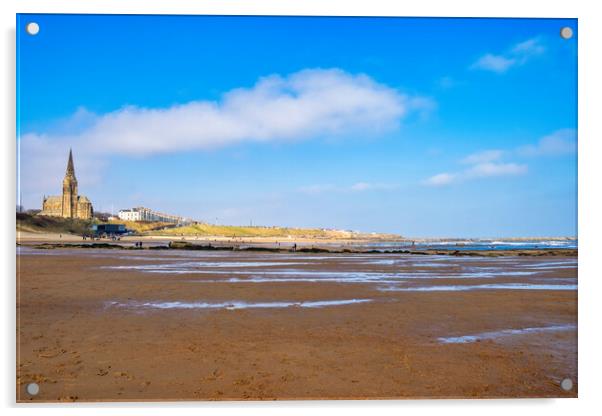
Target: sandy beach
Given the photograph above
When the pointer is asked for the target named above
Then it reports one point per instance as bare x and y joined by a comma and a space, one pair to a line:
179, 325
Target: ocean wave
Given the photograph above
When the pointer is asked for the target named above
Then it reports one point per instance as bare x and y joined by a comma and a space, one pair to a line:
494, 286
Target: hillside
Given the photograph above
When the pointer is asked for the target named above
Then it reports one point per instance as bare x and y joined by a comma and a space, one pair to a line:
43, 224
203, 229
143, 227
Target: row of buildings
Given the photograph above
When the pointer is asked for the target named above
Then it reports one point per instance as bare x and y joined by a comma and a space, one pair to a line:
72, 205
147, 214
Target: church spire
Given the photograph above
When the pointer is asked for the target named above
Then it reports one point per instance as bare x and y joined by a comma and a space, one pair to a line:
70, 168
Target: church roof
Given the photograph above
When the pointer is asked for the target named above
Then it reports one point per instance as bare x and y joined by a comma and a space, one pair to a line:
55, 198
82, 198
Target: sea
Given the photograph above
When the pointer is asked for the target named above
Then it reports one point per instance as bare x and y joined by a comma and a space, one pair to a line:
472, 245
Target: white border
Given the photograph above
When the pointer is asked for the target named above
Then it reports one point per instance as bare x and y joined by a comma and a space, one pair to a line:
590, 207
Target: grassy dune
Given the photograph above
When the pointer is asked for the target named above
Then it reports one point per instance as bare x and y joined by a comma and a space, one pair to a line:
143, 226
42, 224
202, 229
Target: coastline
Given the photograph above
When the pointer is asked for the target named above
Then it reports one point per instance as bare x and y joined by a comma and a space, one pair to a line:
297, 247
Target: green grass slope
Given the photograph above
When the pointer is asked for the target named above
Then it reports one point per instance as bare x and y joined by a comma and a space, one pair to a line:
43, 224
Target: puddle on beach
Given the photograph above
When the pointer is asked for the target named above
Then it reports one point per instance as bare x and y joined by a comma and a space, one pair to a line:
495, 286
206, 268
237, 304
387, 273
504, 333
192, 266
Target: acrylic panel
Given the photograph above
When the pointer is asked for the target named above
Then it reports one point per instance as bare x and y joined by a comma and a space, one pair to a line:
260, 208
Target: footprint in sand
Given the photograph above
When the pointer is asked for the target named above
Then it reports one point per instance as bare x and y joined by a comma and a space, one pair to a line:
52, 354
67, 398
122, 374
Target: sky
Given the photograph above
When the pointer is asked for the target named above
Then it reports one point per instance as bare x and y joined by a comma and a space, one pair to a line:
424, 127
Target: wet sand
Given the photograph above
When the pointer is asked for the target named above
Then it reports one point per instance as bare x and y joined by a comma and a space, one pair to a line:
179, 325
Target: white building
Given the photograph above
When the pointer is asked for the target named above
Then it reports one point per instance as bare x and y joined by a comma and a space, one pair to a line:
129, 215
147, 214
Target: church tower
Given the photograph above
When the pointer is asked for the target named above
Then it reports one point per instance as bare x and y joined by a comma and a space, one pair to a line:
70, 190
69, 204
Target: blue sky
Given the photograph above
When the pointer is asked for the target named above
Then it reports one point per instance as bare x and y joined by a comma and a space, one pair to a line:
423, 127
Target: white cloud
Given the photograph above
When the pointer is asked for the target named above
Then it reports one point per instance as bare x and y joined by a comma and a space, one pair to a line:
483, 164
560, 142
528, 48
495, 169
517, 55
495, 63
367, 186
480, 170
440, 179
307, 104
317, 189
487, 163
483, 157
423, 106
361, 186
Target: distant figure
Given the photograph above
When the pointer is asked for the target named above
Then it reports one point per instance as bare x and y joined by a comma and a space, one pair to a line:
60, 235
295, 247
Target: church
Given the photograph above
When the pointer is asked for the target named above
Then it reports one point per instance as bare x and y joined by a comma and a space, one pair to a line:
70, 204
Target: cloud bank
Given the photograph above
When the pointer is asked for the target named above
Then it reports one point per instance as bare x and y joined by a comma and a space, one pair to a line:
479, 170
488, 164
483, 164
483, 157
560, 142
516, 55
308, 104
